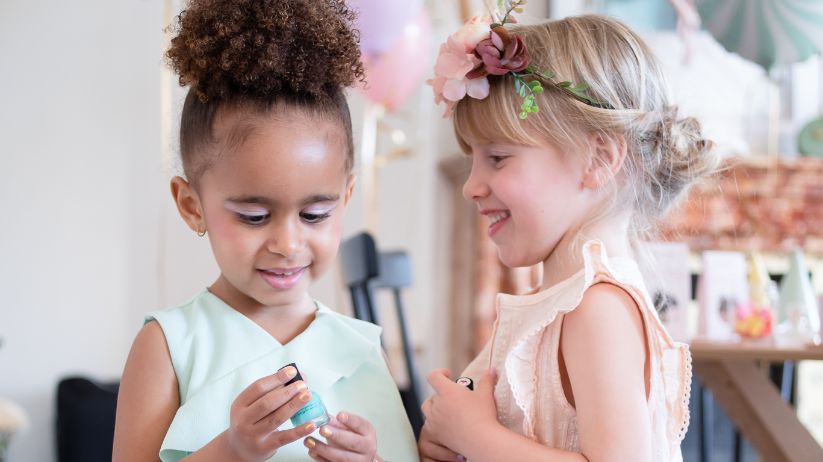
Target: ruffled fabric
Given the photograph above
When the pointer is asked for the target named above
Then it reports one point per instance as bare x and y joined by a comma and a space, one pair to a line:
525, 345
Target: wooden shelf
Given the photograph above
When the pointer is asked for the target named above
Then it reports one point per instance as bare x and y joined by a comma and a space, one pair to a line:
755, 351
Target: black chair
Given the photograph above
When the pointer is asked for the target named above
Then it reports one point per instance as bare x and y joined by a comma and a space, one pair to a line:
366, 270
85, 420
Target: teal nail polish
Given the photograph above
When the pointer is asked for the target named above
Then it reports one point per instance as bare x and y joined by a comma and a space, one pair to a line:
313, 411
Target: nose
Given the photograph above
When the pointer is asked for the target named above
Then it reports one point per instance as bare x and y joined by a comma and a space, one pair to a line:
285, 238
475, 186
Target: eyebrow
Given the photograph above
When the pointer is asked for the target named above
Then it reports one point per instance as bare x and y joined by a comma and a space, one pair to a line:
266, 201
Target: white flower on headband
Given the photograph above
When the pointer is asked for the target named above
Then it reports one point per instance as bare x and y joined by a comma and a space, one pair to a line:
456, 59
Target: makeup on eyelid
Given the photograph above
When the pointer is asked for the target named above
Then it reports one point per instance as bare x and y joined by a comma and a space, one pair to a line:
247, 210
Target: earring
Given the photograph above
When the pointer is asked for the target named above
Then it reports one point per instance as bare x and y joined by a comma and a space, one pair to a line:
201, 233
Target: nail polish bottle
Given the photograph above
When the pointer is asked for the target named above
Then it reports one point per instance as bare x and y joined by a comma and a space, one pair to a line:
314, 411
466, 382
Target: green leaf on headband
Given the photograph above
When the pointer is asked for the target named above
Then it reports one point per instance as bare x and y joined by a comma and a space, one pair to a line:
580, 87
564, 84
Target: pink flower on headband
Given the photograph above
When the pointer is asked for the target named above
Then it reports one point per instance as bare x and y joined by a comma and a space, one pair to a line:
500, 53
455, 60
475, 30
480, 49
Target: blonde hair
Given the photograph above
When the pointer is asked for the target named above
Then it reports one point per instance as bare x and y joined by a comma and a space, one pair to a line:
664, 153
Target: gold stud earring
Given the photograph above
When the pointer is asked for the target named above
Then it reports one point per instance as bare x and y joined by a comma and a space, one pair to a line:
201, 233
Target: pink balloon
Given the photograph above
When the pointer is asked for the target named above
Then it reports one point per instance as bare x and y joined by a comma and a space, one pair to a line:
398, 71
380, 22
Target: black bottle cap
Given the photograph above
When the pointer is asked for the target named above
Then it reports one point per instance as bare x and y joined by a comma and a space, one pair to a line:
466, 382
295, 378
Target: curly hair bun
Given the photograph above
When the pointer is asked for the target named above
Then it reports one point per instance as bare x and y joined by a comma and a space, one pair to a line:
258, 48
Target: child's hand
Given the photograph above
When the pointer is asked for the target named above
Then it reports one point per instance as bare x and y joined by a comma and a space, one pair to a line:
260, 409
457, 416
431, 450
349, 438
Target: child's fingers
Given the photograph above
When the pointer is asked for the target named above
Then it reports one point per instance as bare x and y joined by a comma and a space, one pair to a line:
355, 423
427, 407
264, 385
343, 438
277, 416
274, 400
487, 382
319, 450
282, 438
431, 450
440, 380
316, 457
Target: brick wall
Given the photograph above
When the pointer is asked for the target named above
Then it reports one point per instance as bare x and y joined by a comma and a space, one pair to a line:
766, 205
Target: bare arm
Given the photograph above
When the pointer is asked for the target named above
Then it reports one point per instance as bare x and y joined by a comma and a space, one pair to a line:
147, 400
604, 348
605, 351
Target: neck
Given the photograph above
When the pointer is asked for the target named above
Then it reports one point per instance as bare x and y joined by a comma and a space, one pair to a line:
567, 259
283, 322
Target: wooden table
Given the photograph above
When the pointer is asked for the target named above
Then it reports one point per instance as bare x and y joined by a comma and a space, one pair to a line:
752, 402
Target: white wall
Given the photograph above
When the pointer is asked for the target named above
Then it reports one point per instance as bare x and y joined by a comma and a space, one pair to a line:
79, 123
89, 238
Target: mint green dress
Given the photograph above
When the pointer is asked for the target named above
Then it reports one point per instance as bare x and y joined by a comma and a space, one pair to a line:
217, 352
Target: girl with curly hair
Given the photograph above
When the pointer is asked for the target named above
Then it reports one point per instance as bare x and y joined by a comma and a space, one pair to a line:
267, 153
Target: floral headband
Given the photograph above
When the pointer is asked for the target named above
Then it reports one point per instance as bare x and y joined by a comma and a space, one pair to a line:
481, 48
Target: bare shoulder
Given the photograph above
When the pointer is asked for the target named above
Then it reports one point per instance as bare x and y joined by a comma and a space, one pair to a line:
148, 397
605, 309
604, 338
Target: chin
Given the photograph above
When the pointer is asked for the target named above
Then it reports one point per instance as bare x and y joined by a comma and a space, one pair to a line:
512, 260
509, 260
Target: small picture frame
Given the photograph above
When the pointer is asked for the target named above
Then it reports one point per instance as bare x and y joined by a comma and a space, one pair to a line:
668, 281
722, 286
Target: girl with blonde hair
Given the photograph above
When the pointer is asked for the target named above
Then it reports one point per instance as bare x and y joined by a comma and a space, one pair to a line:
575, 150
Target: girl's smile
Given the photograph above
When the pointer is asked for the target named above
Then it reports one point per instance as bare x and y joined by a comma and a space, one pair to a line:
282, 278
497, 219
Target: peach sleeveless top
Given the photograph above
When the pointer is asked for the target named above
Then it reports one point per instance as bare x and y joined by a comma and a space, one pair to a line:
524, 349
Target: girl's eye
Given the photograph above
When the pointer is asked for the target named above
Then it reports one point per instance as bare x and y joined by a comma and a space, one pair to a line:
310, 217
252, 219
497, 159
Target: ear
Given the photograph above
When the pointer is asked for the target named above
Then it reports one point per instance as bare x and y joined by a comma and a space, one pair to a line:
608, 155
188, 204
349, 188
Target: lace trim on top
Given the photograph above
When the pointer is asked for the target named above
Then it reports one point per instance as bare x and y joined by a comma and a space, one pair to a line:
670, 358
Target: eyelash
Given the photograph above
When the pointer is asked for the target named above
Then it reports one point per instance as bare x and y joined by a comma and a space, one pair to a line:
258, 220
313, 218
497, 159
252, 220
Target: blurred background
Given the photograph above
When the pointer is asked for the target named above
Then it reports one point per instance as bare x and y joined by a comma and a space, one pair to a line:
90, 240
